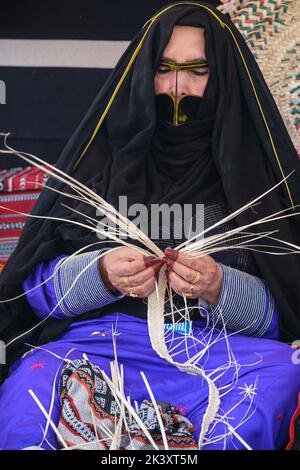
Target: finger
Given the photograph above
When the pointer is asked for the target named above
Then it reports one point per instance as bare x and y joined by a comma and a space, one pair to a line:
129, 268
143, 289
198, 264
186, 273
125, 253
131, 255
150, 290
142, 276
180, 286
134, 266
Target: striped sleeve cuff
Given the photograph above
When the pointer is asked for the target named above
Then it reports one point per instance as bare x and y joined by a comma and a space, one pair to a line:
78, 285
245, 304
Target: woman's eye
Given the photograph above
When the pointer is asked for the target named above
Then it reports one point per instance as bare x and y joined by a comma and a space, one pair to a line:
197, 72
160, 70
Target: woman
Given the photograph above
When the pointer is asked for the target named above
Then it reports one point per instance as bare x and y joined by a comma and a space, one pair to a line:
188, 124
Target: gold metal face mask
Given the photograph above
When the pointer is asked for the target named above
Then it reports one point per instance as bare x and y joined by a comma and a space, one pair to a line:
173, 109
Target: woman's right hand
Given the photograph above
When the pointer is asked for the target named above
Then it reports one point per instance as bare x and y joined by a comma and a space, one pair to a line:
128, 271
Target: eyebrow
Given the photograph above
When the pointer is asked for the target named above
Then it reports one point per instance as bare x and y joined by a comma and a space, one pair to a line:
199, 60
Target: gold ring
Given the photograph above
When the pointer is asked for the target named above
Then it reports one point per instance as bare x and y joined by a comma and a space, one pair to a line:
196, 278
127, 281
187, 294
132, 294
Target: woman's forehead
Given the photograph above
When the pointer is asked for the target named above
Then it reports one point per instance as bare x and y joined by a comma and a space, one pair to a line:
186, 44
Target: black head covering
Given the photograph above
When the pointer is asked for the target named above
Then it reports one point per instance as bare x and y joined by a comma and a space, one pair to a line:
250, 151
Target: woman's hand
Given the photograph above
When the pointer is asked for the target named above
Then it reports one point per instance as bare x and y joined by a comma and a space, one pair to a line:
196, 277
129, 272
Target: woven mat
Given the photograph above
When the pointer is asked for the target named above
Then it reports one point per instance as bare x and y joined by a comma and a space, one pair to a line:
271, 29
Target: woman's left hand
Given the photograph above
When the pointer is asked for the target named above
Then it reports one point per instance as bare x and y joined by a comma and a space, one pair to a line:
193, 277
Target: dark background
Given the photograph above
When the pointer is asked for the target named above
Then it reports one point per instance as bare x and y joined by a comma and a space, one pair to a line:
44, 105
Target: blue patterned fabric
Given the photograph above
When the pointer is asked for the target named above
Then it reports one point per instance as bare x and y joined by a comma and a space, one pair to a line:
260, 399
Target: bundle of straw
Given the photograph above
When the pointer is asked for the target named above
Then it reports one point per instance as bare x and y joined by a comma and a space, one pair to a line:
196, 246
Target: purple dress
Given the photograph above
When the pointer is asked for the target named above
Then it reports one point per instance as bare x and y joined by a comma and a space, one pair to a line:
258, 388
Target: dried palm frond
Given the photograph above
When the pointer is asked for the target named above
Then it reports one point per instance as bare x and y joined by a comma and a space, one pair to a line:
198, 245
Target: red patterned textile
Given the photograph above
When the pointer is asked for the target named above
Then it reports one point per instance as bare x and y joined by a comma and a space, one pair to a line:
19, 190
22, 179
12, 223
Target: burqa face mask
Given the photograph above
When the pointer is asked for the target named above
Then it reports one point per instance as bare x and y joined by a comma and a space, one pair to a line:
176, 111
